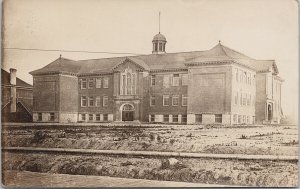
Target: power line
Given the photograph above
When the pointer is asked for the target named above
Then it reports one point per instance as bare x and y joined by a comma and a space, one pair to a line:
64, 50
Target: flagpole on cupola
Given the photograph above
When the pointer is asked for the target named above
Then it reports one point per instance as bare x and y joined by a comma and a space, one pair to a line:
159, 22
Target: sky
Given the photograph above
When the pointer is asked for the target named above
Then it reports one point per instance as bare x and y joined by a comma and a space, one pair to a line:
261, 29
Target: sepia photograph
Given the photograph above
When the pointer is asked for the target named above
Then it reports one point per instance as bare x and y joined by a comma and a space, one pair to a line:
163, 93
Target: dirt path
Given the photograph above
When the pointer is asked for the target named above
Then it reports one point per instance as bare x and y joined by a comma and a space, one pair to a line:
33, 179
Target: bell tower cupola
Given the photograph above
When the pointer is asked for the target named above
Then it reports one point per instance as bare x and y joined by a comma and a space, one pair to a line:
159, 42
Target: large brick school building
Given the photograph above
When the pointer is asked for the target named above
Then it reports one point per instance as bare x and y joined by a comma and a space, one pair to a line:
219, 85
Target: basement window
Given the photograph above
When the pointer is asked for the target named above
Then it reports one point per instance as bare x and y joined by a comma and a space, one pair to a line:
90, 117
184, 118
83, 117
105, 117
97, 117
51, 116
218, 118
39, 117
198, 118
166, 118
175, 118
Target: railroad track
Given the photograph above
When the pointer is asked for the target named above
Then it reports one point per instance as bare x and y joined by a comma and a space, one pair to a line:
148, 154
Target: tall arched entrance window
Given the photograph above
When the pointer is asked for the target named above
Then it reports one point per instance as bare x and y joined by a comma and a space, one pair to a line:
128, 82
127, 112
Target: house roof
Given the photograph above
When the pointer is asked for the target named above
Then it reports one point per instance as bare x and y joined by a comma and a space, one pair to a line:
5, 80
164, 61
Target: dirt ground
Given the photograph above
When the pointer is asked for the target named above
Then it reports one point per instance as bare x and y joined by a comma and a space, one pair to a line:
208, 171
256, 140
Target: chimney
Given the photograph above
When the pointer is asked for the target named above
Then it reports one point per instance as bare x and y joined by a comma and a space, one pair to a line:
13, 90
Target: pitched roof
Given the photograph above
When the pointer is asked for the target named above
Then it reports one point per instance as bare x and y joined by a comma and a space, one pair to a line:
5, 80
155, 61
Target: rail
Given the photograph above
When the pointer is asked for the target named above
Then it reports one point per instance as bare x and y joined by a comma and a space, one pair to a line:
150, 153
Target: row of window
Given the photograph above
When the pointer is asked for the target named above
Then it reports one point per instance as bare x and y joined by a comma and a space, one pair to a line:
218, 118
40, 117
243, 119
244, 99
166, 100
244, 77
171, 79
94, 101
166, 118
90, 117
101, 82
161, 46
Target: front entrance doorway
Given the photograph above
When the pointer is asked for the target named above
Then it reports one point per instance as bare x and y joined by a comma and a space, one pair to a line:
127, 112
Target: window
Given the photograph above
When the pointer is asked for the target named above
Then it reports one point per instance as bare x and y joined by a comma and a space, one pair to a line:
166, 118
236, 98
241, 99
184, 79
218, 118
105, 117
91, 83
51, 116
239, 119
105, 101
152, 118
83, 84
90, 117
248, 119
83, 101
248, 100
91, 101
244, 118
184, 118
198, 118
166, 100
39, 117
175, 118
175, 100
98, 83
184, 100
152, 101
244, 99
128, 82
160, 46
237, 75
166, 81
241, 76
152, 80
175, 80
83, 117
245, 77
97, 117
98, 102
234, 118
105, 82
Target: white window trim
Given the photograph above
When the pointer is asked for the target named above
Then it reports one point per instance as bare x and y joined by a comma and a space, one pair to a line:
105, 97
81, 101
173, 97
168, 96
184, 97
81, 83
100, 80
96, 104
104, 81
89, 100
173, 83
152, 97
90, 80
